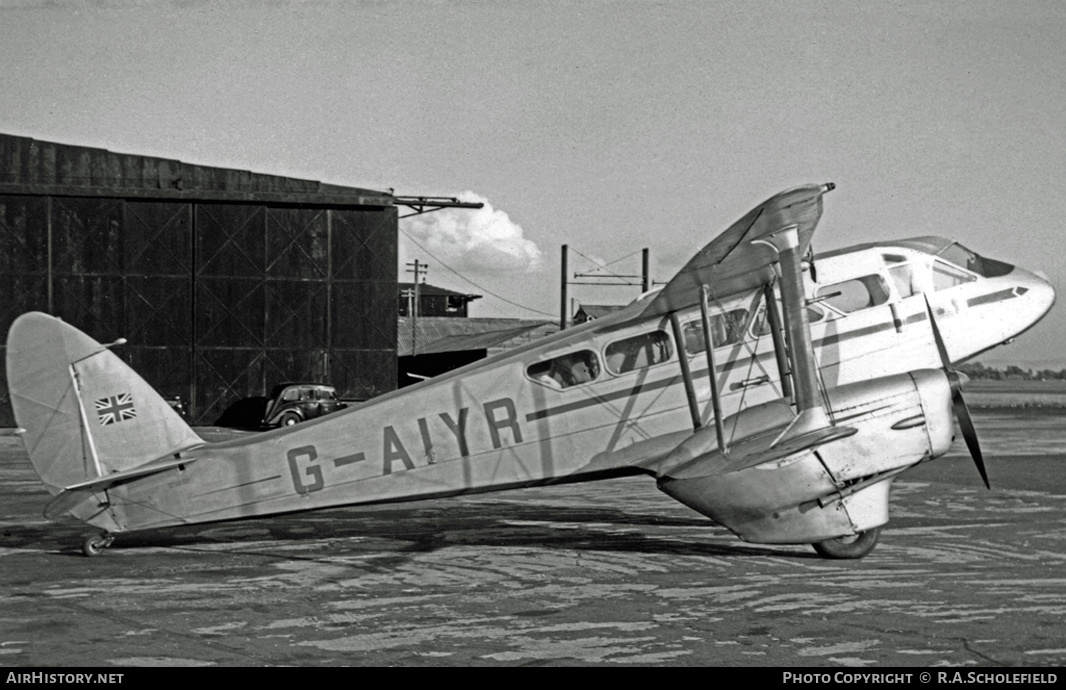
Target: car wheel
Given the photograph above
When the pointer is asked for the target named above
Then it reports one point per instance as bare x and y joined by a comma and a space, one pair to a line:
289, 419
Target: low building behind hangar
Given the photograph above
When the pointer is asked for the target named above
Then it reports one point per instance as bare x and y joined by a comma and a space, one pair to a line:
224, 282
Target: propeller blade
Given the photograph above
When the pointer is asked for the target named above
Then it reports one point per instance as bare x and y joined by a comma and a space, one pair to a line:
969, 434
944, 361
962, 413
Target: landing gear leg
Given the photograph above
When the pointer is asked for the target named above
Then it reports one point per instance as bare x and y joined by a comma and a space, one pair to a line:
95, 545
855, 546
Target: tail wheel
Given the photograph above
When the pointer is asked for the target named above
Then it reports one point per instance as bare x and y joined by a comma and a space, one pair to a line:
95, 545
852, 546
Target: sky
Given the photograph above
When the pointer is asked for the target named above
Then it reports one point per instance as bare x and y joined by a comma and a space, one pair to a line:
606, 126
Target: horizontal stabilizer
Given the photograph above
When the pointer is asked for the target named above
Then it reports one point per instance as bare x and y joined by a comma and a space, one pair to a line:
101, 483
76, 493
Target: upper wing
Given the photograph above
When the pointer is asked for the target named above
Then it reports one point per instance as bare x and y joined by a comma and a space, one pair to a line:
731, 263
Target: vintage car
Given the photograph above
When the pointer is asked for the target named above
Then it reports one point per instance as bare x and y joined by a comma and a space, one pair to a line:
177, 405
292, 403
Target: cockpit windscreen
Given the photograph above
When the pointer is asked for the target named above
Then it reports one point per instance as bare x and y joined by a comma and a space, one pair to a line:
962, 257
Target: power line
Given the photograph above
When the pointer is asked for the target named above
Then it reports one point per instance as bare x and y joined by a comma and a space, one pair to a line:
483, 289
612, 263
604, 267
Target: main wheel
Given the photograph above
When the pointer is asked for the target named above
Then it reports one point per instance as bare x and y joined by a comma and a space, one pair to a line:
854, 546
289, 419
95, 545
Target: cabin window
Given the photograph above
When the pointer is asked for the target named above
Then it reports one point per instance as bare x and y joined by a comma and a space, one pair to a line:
726, 329
566, 371
856, 294
903, 277
946, 276
760, 325
638, 352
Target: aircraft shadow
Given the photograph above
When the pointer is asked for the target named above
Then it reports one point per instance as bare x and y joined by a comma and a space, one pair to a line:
396, 530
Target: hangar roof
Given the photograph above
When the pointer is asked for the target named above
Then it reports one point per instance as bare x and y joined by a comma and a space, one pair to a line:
438, 334
30, 166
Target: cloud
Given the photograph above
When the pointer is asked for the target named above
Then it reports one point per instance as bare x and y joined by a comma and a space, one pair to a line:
484, 241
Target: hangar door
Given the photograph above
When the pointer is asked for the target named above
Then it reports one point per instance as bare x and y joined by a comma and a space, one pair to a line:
219, 301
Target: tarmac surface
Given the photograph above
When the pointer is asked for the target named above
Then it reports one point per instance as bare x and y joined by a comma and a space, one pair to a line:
609, 573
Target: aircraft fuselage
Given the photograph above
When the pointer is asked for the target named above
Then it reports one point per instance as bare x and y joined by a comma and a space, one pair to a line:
603, 399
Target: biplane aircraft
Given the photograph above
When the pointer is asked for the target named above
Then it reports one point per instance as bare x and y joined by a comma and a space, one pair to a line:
776, 392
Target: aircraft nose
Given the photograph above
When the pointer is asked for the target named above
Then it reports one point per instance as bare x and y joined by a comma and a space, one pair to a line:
1036, 291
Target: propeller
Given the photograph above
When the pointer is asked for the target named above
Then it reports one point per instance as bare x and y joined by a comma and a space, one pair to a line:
969, 434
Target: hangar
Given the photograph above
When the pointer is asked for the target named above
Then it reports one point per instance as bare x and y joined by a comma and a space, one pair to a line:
224, 281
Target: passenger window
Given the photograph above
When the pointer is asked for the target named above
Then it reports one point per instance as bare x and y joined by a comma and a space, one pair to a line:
638, 352
760, 325
726, 329
853, 295
307, 394
566, 371
291, 395
903, 276
945, 276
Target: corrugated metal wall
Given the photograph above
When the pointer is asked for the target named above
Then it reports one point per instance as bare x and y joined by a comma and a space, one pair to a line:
220, 299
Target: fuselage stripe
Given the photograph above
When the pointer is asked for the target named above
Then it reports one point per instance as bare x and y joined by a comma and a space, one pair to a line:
992, 297
727, 366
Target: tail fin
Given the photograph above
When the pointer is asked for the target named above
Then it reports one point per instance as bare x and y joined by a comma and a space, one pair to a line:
84, 412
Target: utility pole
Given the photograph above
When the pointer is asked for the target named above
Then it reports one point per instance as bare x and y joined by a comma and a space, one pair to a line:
564, 314
419, 269
645, 264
